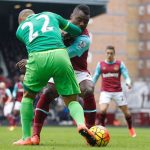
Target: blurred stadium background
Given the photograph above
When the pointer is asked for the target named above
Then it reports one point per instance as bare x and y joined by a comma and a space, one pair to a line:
122, 23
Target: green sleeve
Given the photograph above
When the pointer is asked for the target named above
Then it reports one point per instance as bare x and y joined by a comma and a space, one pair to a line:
68, 27
18, 35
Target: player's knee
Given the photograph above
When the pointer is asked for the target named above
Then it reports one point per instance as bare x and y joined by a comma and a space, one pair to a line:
50, 92
88, 91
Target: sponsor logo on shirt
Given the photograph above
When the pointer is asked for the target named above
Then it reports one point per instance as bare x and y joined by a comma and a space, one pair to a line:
107, 75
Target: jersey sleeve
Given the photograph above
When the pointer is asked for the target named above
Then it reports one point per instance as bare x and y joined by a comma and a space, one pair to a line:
68, 26
14, 93
8, 93
79, 46
124, 72
97, 73
19, 37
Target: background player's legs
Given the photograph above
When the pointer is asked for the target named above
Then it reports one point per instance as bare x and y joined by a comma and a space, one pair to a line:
89, 104
103, 110
128, 118
49, 94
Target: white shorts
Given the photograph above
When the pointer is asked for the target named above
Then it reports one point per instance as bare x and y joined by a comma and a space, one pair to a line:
8, 107
118, 97
81, 76
17, 105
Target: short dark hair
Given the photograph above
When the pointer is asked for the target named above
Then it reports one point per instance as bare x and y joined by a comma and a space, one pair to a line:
110, 47
84, 8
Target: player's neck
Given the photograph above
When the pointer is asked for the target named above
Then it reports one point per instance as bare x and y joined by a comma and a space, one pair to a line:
110, 62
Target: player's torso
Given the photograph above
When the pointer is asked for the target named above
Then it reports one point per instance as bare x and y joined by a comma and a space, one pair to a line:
80, 63
111, 76
41, 32
3, 96
19, 92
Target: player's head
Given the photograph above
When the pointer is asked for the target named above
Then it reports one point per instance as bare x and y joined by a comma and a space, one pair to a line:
24, 14
110, 53
81, 16
2, 85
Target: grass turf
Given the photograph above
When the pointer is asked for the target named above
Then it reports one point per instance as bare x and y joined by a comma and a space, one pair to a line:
67, 138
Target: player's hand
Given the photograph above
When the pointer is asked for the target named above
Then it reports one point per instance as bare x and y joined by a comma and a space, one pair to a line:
67, 39
129, 86
21, 65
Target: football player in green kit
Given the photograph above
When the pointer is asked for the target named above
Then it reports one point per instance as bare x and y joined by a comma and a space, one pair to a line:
47, 57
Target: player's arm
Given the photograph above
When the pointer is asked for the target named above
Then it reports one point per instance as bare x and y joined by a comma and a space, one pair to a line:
14, 93
79, 46
18, 35
67, 26
8, 93
97, 73
124, 72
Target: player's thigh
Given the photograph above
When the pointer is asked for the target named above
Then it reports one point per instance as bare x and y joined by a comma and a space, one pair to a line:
120, 98
17, 105
37, 72
64, 77
8, 108
85, 82
105, 97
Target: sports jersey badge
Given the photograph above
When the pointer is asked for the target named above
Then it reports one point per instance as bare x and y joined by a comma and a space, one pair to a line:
116, 67
82, 44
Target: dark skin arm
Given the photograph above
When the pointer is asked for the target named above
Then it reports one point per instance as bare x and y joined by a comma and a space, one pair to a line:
21, 65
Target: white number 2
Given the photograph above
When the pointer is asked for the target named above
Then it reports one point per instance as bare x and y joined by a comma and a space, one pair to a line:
45, 27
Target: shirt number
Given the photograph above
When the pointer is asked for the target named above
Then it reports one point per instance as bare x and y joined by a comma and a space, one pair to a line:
45, 27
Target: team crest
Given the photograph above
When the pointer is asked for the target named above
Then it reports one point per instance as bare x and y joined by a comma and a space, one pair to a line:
104, 68
116, 67
82, 44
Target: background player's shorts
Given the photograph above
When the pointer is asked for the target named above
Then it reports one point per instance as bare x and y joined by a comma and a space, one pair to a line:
80, 76
118, 97
8, 108
41, 66
17, 105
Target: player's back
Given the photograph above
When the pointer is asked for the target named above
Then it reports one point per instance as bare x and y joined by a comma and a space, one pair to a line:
41, 32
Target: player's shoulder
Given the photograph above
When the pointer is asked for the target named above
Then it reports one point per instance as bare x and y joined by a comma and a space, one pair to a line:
43, 13
84, 38
85, 32
102, 62
118, 61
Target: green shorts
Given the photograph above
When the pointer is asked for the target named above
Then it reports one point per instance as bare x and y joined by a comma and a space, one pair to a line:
41, 66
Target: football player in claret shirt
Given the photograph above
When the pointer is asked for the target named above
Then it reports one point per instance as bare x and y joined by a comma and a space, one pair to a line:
47, 57
78, 52
111, 71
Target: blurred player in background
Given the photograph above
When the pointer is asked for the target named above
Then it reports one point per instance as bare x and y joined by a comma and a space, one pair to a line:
17, 96
78, 52
6, 100
48, 58
111, 71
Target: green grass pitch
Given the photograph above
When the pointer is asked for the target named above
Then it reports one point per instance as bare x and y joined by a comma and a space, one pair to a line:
67, 138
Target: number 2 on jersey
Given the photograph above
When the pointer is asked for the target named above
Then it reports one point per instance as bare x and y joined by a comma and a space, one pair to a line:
45, 27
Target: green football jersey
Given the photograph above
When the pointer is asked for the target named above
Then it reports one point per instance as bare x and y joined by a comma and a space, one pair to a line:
41, 32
